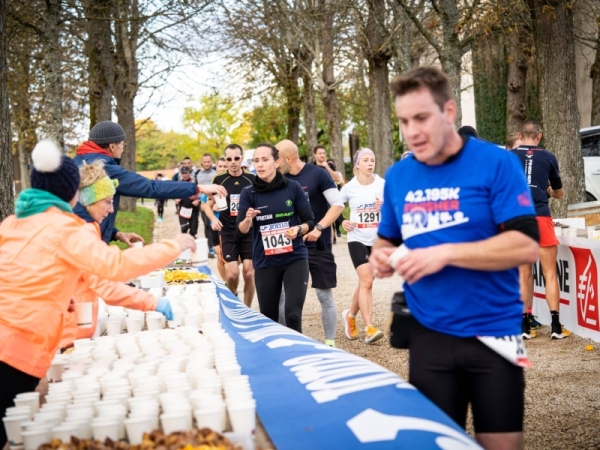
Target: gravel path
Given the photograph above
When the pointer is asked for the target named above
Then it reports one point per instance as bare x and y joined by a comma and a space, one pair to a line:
562, 389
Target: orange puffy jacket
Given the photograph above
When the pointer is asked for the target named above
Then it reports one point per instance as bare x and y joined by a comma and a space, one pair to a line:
42, 258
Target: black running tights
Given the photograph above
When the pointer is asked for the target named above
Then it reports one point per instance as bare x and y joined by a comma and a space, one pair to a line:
294, 278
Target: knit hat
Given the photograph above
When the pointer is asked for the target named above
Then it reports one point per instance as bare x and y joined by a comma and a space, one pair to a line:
106, 132
54, 172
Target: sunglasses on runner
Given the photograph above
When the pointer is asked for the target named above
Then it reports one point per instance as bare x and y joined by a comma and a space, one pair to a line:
235, 158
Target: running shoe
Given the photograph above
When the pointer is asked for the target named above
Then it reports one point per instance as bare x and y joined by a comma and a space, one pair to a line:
159, 219
535, 325
330, 343
372, 334
349, 325
526, 330
212, 253
559, 332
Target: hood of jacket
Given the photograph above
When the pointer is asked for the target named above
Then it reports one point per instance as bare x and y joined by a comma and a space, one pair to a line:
35, 201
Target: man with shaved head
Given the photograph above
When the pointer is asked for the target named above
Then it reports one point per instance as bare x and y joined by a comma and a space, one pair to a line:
327, 205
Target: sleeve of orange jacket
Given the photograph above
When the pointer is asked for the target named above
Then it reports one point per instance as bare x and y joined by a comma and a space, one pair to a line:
119, 294
81, 247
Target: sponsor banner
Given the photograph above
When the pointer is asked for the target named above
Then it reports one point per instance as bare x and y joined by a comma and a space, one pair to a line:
310, 395
577, 271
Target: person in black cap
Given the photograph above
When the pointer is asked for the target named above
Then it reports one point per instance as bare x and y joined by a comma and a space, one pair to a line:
107, 142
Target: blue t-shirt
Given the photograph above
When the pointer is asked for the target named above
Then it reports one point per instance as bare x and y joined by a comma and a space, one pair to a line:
463, 200
314, 181
279, 210
541, 168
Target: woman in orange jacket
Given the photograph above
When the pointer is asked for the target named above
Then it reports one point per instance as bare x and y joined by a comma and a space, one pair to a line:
96, 192
44, 250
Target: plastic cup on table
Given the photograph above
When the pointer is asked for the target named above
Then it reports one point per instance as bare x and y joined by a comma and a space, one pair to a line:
12, 426
31, 399
23, 410
138, 244
135, 324
242, 417
211, 417
136, 427
85, 428
32, 439
113, 327
65, 431
175, 422
154, 323
201, 253
103, 428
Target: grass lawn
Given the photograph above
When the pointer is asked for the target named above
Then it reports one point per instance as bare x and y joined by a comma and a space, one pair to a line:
140, 222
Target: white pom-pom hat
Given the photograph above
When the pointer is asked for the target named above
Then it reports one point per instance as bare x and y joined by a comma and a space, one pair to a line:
54, 172
46, 156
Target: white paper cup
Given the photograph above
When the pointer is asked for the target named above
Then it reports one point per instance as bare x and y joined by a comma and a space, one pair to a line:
138, 244
221, 202
113, 327
152, 416
571, 232
65, 431
85, 428
136, 427
31, 399
558, 230
32, 439
398, 253
175, 422
242, 417
201, 253
83, 312
134, 325
154, 323
213, 417
55, 371
103, 428
12, 426
23, 410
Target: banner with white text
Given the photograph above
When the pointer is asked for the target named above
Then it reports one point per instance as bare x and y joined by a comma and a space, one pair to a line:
313, 396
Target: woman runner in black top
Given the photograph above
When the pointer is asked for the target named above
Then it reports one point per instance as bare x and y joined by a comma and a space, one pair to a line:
278, 211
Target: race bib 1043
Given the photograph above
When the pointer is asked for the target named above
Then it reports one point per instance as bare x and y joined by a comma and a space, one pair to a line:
234, 203
275, 238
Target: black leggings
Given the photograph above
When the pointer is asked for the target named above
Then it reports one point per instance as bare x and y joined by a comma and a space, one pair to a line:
13, 382
294, 278
160, 207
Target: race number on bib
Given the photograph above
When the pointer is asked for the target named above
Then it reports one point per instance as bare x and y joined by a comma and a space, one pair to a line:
510, 348
186, 213
234, 203
275, 238
368, 217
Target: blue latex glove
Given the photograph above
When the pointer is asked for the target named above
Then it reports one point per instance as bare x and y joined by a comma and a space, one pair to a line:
164, 307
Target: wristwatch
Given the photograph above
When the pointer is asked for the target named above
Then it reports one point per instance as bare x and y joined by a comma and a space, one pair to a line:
319, 227
299, 230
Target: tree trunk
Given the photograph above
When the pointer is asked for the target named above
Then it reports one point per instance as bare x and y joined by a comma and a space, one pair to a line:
6, 160
595, 74
328, 90
100, 64
452, 53
53, 84
24, 164
378, 54
293, 101
310, 112
516, 99
126, 84
554, 35
489, 82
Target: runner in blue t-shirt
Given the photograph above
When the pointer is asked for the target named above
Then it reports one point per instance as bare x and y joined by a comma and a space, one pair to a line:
279, 214
464, 210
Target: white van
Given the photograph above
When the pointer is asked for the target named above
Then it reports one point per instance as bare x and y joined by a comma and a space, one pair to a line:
590, 149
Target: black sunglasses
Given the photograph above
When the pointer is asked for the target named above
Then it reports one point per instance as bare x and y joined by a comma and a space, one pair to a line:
235, 158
